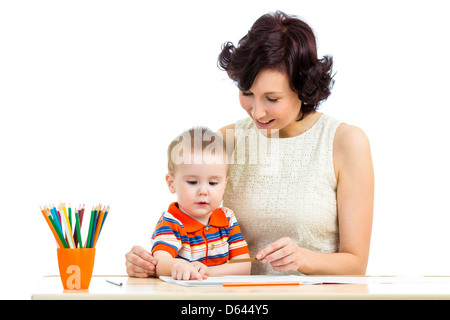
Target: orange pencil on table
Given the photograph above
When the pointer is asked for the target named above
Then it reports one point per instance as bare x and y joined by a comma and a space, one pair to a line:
260, 284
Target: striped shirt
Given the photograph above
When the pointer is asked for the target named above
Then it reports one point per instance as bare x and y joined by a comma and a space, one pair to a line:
186, 238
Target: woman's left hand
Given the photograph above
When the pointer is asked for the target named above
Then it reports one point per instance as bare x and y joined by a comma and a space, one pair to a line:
283, 255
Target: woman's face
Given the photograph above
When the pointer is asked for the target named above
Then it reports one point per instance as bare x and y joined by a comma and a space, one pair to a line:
272, 104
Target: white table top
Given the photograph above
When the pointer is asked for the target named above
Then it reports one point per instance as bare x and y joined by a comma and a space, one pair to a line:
155, 289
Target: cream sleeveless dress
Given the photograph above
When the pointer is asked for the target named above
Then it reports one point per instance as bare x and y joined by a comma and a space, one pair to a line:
284, 188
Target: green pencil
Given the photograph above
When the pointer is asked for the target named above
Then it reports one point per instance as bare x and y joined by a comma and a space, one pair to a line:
91, 223
77, 222
70, 217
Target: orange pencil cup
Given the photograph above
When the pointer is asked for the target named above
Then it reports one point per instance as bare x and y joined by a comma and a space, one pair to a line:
75, 267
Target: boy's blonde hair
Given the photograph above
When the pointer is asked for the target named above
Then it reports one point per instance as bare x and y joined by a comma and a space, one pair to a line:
181, 149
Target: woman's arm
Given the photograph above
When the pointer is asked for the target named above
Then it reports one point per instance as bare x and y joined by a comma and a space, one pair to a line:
140, 263
355, 196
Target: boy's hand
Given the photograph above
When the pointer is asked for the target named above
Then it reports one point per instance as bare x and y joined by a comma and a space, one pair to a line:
189, 271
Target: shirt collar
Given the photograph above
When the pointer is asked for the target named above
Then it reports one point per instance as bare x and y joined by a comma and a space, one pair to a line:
217, 218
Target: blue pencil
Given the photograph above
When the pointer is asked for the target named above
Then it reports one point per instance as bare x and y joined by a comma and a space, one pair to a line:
104, 218
56, 218
93, 228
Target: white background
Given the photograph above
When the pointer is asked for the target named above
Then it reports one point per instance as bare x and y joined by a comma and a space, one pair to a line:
91, 93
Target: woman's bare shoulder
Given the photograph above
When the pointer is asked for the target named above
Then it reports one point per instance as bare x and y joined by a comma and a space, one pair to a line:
351, 148
350, 138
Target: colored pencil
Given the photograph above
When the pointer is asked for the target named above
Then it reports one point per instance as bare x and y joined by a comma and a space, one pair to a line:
75, 229
104, 218
66, 232
260, 284
58, 241
91, 222
58, 214
94, 224
119, 284
242, 260
81, 215
78, 228
70, 217
101, 215
60, 235
67, 227
105, 214
55, 218
56, 226
75, 233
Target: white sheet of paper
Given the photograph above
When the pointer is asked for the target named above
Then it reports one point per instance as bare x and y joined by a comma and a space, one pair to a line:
219, 281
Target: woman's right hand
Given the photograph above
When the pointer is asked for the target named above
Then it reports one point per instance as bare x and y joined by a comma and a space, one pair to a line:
140, 263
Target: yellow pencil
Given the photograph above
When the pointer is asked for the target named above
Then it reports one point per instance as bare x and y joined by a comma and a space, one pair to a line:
68, 228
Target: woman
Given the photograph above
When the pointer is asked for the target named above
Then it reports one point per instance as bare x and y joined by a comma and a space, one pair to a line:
306, 207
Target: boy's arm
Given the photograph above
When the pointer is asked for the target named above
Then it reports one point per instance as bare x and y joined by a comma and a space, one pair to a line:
242, 268
165, 262
179, 269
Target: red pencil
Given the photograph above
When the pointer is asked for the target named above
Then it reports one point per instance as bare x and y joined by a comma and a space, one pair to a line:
75, 232
81, 215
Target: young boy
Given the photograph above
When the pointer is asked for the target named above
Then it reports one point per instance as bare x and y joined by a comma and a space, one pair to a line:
195, 237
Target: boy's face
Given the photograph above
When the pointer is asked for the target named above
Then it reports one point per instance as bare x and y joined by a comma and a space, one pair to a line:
199, 187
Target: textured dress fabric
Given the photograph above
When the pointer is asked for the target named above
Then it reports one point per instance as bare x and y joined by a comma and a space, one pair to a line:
284, 188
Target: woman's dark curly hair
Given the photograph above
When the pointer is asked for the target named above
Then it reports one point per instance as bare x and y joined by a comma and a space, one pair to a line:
284, 43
